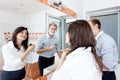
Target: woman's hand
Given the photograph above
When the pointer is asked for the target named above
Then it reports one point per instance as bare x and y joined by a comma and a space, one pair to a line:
30, 48
63, 56
65, 52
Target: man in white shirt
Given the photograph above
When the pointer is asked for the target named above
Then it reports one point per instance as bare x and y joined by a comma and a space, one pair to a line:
106, 49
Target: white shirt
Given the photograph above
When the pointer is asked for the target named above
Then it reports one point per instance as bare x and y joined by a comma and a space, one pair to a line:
101, 32
79, 65
106, 48
11, 57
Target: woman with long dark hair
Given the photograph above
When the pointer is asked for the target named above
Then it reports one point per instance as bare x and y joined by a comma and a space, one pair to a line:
14, 55
81, 61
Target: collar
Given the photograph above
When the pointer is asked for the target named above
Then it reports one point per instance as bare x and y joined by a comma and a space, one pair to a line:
101, 32
78, 51
49, 36
11, 44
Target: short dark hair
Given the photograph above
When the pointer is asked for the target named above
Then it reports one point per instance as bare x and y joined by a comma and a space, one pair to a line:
53, 24
14, 37
95, 21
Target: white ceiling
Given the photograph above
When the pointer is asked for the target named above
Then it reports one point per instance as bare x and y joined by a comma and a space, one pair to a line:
32, 6
22, 6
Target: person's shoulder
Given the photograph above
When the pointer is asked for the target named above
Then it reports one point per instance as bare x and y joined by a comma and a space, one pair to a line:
8, 45
107, 37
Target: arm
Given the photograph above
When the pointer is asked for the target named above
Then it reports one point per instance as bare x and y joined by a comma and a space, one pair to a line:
46, 49
63, 56
40, 46
24, 55
11, 60
59, 53
61, 73
108, 54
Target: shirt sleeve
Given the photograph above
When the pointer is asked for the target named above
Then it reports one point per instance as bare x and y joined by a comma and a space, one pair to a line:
107, 50
39, 43
10, 59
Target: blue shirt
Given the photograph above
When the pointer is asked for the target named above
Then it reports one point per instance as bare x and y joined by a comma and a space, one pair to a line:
107, 49
45, 41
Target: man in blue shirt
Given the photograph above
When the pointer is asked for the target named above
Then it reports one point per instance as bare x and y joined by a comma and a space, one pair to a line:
46, 47
106, 48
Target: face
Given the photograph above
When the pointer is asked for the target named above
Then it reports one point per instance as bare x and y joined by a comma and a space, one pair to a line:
52, 30
93, 27
22, 35
67, 38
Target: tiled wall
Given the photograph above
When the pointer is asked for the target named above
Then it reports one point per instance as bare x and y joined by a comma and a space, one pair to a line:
32, 36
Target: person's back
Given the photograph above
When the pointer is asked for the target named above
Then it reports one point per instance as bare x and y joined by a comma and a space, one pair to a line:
79, 65
106, 48
81, 61
105, 42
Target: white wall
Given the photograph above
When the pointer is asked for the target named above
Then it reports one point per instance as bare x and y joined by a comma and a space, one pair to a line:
37, 21
90, 5
9, 17
9, 21
76, 6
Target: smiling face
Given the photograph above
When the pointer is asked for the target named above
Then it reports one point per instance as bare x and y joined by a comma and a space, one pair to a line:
22, 35
52, 30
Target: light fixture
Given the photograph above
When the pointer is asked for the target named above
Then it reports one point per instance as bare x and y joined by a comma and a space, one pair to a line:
56, 3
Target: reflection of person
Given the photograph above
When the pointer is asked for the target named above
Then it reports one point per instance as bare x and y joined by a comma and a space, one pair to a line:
106, 49
46, 47
14, 55
81, 62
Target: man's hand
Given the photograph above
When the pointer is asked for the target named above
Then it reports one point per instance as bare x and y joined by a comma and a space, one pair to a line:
52, 47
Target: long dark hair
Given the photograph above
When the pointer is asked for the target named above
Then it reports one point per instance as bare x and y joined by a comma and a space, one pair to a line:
14, 37
81, 35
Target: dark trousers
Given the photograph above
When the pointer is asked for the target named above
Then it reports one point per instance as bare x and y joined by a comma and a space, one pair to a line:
108, 75
13, 75
44, 62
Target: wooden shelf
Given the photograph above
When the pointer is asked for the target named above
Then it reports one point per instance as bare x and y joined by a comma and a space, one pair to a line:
62, 9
